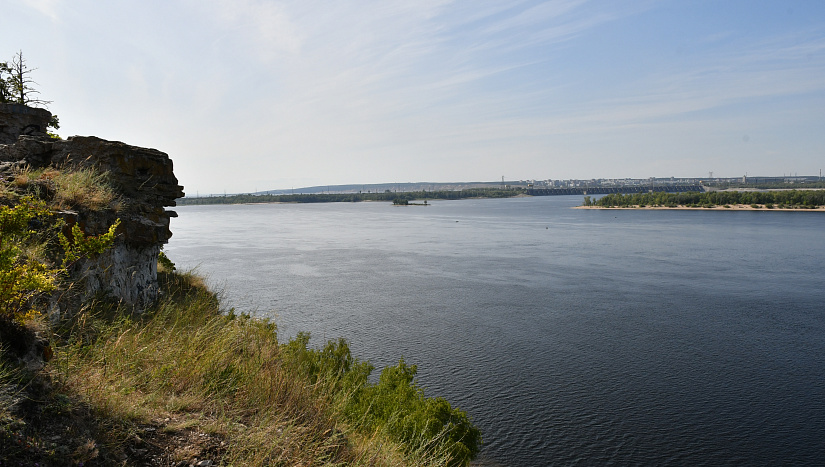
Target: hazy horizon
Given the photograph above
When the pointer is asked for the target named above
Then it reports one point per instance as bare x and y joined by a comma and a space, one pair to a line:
382, 185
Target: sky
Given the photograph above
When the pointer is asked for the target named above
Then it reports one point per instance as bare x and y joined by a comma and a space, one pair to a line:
251, 95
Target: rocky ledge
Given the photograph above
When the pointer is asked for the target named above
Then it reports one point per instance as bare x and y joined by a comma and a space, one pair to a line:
143, 180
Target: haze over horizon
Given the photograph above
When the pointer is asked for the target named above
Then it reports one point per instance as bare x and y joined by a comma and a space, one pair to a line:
260, 95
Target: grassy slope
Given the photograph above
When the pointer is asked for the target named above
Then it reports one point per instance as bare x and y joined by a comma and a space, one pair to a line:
182, 383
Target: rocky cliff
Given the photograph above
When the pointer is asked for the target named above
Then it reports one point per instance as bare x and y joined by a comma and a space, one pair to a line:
142, 178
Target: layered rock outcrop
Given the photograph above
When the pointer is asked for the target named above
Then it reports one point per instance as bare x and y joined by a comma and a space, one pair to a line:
146, 184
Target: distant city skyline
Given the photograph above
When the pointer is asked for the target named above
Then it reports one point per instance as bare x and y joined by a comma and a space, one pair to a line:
459, 185
260, 94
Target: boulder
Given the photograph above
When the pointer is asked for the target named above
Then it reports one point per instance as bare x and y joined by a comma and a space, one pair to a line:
17, 119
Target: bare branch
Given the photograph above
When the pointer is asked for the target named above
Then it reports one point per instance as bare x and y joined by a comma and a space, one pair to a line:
18, 85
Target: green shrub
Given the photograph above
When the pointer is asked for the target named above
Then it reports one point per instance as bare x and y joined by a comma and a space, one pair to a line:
396, 405
165, 263
81, 246
25, 272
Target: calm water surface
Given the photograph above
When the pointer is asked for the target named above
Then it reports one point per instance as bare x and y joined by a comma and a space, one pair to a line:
569, 336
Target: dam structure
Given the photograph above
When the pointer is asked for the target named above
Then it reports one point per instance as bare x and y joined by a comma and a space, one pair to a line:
604, 190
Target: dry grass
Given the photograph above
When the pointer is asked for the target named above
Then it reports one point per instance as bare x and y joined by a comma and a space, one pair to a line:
222, 376
83, 188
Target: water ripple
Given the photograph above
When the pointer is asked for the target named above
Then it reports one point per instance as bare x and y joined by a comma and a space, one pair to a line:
571, 337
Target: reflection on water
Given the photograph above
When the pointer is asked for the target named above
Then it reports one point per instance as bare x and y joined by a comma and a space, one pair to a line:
570, 336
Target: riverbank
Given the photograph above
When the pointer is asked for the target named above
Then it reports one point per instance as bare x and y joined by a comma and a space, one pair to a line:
732, 207
355, 197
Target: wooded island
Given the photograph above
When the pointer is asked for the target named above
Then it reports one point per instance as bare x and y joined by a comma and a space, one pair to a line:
782, 199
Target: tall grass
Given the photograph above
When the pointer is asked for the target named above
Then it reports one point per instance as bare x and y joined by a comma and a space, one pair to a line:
80, 188
229, 376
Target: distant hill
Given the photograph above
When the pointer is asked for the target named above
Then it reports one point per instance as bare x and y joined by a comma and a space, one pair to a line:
393, 187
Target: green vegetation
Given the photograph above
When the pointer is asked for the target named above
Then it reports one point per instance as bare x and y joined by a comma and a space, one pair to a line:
772, 185
27, 267
36, 246
395, 406
791, 199
186, 369
355, 197
23, 270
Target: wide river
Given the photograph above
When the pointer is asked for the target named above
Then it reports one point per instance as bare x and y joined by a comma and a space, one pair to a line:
569, 336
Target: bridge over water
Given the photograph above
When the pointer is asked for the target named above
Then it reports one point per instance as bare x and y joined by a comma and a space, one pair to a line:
604, 190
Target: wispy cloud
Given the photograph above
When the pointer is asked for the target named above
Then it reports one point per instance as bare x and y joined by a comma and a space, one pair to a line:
410, 79
267, 26
771, 69
49, 8
432, 78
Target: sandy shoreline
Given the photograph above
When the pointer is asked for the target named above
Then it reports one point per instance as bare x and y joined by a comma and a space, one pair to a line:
732, 207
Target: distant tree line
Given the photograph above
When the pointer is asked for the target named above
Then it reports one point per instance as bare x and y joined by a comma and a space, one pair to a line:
797, 199
355, 197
